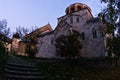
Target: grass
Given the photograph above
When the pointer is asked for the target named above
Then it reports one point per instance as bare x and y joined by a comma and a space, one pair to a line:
57, 69
67, 70
2, 64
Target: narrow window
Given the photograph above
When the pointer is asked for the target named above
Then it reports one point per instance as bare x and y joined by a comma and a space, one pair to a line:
41, 43
72, 9
71, 20
94, 33
67, 12
52, 41
79, 8
83, 35
77, 19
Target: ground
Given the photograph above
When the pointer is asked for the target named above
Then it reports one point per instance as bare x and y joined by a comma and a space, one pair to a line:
57, 69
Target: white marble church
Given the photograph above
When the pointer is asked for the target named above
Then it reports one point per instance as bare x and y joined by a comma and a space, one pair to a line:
78, 17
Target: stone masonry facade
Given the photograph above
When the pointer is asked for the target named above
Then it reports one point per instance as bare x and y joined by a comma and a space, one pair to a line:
78, 17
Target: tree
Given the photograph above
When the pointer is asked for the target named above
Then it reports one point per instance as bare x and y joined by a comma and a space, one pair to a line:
4, 29
22, 31
2, 48
111, 18
31, 48
4, 34
69, 46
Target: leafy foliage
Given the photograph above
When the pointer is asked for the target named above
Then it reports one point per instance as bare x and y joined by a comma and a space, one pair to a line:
31, 48
111, 18
22, 31
2, 48
4, 29
69, 46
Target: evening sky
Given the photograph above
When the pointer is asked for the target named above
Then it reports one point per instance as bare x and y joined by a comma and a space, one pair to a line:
30, 13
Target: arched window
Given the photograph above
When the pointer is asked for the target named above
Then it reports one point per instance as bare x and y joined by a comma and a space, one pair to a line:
71, 20
72, 10
77, 19
41, 43
67, 12
79, 8
51, 41
83, 35
94, 32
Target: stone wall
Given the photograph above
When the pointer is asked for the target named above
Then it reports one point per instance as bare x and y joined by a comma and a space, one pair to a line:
45, 46
94, 47
21, 49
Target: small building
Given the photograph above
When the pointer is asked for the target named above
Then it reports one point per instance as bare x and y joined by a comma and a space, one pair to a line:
30, 40
34, 34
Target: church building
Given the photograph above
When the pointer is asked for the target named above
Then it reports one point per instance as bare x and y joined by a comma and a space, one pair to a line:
78, 17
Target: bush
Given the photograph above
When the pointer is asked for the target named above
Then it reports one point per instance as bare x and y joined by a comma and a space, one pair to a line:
2, 48
69, 46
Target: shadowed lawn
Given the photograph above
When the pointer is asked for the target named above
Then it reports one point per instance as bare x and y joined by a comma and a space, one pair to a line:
2, 64
57, 70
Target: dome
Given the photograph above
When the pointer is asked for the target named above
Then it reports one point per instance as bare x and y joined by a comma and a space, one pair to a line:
76, 7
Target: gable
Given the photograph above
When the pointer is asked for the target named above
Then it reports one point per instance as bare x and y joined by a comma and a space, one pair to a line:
63, 28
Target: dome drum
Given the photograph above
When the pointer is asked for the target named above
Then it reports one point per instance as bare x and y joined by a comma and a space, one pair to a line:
76, 7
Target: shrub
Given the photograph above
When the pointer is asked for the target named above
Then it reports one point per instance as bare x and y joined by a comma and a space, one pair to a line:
69, 46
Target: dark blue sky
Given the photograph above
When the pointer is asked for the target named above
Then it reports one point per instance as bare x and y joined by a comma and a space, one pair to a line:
30, 13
